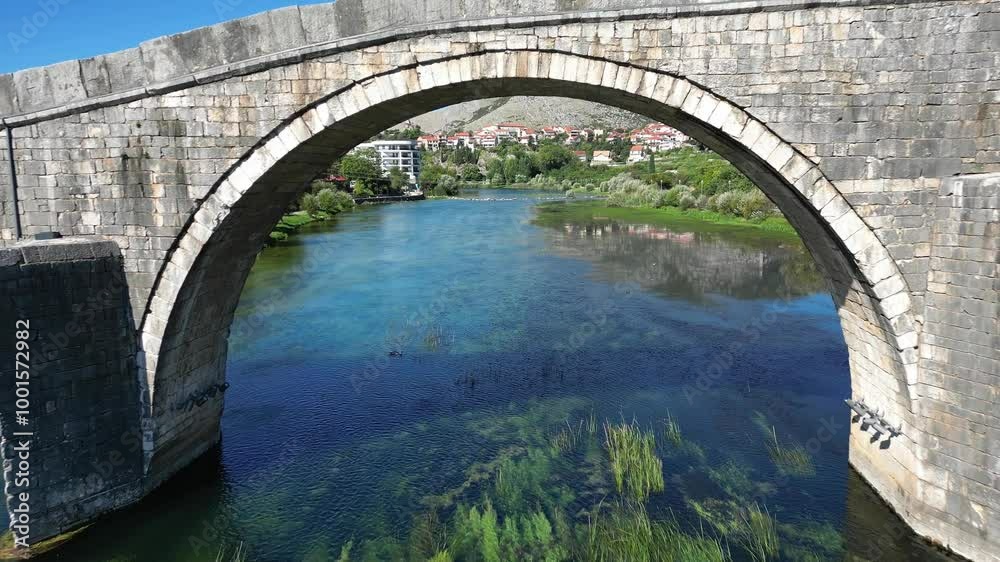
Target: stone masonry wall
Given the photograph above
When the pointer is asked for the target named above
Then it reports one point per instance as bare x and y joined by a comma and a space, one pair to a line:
85, 450
960, 358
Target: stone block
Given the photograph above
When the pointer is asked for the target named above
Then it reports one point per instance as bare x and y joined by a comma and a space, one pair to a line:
50, 86
319, 22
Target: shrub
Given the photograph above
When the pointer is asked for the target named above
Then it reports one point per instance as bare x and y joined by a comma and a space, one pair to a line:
309, 204
750, 203
446, 186
361, 189
672, 197
333, 202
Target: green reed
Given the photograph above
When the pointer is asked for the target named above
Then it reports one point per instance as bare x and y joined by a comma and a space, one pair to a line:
634, 464
758, 534
626, 532
672, 431
790, 459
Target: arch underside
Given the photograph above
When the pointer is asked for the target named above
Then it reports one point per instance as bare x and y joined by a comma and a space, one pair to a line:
185, 331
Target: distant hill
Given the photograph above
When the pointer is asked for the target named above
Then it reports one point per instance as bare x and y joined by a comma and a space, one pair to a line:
529, 111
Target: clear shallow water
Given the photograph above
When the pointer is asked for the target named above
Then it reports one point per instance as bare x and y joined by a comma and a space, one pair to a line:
511, 337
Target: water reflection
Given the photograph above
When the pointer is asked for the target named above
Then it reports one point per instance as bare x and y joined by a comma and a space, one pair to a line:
691, 265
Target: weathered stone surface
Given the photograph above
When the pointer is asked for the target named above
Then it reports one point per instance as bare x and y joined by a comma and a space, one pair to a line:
81, 374
828, 108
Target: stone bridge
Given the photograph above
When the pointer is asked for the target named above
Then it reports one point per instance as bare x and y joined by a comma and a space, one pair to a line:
874, 126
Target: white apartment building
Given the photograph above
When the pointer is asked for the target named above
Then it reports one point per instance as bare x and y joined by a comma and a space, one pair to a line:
402, 154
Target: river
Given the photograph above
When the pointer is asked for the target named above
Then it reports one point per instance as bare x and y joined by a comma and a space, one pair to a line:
407, 362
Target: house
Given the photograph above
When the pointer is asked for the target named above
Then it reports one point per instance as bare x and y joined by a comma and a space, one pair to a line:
637, 153
485, 139
602, 158
581, 155
429, 142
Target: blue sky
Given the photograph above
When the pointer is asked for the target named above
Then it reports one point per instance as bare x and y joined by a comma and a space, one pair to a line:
71, 29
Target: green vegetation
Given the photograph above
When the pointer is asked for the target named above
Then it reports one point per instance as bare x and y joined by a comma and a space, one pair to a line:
810, 541
636, 468
314, 206
790, 459
558, 213
672, 431
518, 504
758, 534
410, 132
626, 532
439, 180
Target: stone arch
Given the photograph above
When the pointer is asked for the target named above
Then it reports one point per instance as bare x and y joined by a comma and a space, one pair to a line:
184, 331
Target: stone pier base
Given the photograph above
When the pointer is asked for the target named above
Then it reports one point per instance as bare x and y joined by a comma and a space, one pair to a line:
69, 412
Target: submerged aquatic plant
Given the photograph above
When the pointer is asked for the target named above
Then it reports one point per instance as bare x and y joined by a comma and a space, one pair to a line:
428, 536
722, 515
790, 459
634, 464
758, 534
345, 552
734, 480
477, 535
626, 532
435, 338
809, 541
591, 423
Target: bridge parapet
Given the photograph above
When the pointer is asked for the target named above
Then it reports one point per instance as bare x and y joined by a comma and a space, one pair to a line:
291, 35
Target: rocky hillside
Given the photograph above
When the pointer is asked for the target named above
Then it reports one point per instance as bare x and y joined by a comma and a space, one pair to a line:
529, 111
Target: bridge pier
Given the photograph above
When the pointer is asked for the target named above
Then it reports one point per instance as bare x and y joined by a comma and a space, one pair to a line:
68, 323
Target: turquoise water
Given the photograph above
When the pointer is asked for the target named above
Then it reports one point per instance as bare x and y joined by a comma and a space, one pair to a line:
390, 369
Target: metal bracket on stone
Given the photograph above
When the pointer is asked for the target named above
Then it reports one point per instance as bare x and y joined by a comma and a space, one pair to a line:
873, 419
199, 398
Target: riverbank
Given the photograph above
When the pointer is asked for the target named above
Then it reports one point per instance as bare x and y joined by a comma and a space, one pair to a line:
694, 219
292, 222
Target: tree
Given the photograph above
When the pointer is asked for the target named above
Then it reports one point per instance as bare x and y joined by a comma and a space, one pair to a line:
552, 157
446, 186
651, 165
494, 171
398, 180
430, 175
470, 172
361, 165
361, 189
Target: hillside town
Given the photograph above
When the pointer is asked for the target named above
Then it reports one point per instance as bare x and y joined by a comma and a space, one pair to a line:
654, 137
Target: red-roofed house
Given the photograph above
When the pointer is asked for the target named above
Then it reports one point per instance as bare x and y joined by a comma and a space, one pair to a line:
637, 153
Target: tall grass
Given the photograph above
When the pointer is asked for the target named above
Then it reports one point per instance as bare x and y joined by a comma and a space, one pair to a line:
634, 464
758, 534
672, 431
625, 532
790, 459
